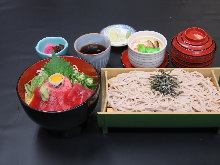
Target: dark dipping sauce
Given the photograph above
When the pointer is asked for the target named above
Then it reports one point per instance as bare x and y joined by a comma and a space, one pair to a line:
92, 49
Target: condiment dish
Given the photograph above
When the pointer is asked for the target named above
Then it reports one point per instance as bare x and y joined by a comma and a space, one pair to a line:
41, 45
118, 28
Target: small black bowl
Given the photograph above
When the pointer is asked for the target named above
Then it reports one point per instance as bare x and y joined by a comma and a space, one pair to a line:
60, 120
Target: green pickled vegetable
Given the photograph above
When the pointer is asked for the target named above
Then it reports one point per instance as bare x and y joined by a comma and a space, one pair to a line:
141, 48
90, 83
73, 80
156, 49
85, 80
37, 81
81, 77
45, 92
128, 34
151, 50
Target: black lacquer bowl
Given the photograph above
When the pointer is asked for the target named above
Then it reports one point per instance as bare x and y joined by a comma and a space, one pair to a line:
60, 120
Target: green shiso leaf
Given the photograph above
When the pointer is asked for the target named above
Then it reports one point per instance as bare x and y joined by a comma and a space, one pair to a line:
58, 65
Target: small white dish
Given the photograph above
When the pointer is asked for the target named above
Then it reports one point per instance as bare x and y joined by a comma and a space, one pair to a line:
117, 31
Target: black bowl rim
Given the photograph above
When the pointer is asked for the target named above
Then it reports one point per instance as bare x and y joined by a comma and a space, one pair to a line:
213, 42
74, 108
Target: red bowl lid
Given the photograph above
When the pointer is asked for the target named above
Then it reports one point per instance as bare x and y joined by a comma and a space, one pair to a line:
195, 35
201, 43
194, 41
184, 43
193, 52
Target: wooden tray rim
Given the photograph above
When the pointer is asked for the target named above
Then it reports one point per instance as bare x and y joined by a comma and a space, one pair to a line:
215, 71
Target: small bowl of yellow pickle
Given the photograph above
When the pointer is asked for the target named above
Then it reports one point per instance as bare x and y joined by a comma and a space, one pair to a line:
118, 34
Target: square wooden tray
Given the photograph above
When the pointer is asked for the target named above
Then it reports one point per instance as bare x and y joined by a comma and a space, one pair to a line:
156, 119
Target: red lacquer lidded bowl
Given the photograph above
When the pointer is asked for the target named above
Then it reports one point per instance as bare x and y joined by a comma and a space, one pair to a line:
193, 47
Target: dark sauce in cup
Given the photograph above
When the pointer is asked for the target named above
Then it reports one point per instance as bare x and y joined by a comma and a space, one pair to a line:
92, 49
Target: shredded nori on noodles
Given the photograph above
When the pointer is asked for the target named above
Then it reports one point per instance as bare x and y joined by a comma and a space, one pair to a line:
165, 84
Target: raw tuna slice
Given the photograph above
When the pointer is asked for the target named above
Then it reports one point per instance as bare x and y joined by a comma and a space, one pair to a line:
35, 103
78, 94
56, 99
51, 105
62, 98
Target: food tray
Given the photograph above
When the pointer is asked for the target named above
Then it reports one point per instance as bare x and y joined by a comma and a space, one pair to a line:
156, 119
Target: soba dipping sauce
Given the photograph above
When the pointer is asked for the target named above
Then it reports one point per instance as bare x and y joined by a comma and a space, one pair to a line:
92, 49
147, 45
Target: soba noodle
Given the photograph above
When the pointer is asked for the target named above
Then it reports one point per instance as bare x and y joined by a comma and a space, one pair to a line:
131, 92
